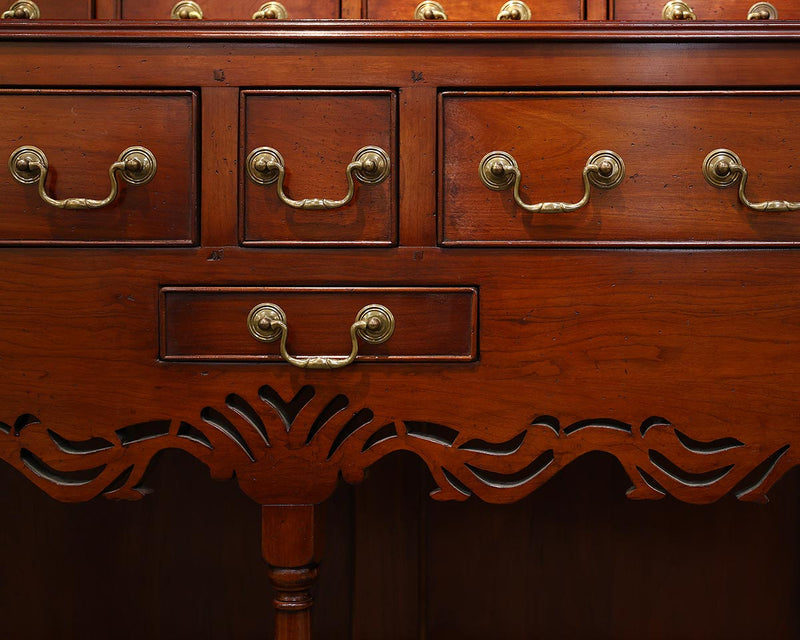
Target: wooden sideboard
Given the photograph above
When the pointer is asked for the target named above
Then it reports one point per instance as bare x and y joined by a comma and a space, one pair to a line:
292, 251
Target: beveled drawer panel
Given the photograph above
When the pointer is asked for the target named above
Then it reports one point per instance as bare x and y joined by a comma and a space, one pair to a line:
652, 10
211, 323
662, 138
225, 9
48, 9
467, 10
318, 134
81, 134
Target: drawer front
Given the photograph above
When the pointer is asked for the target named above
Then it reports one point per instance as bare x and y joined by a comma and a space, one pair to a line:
225, 9
81, 135
465, 10
651, 10
431, 324
48, 9
663, 140
318, 134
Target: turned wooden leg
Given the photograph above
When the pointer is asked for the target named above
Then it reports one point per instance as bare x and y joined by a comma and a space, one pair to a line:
291, 545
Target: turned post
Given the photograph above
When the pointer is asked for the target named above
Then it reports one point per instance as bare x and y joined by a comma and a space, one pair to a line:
291, 543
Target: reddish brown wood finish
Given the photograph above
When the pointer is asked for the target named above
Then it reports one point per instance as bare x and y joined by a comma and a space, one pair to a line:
226, 9
210, 324
681, 364
82, 134
60, 9
298, 126
650, 10
467, 10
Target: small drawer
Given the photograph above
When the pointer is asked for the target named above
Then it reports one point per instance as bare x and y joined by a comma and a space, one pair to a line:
522, 10
47, 9
316, 136
652, 10
81, 136
662, 139
228, 9
212, 323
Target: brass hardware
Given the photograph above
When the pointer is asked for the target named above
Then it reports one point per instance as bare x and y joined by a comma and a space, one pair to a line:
722, 168
271, 11
186, 10
429, 10
762, 11
677, 10
267, 323
514, 10
136, 165
23, 10
370, 165
498, 170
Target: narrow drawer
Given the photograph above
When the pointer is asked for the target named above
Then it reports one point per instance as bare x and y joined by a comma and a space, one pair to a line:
466, 10
81, 135
207, 323
663, 140
48, 9
227, 9
651, 10
318, 134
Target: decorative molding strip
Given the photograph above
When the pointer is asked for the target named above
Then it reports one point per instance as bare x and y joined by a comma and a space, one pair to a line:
287, 452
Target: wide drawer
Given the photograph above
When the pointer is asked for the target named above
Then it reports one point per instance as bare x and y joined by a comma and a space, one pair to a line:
465, 10
318, 136
47, 9
81, 135
227, 9
212, 323
663, 140
650, 10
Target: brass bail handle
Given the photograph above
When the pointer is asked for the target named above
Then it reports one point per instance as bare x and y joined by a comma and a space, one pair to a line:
723, 168
186, 10
370, 165
429, 10
677, 10
267, 323
271, 11
498, 171
762, 11
135, 165
514, 10
23, 10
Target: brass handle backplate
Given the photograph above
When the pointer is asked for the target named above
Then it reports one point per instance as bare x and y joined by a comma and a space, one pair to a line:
23, 10
271, 11
135, 165
370, 165
267, 323
677, 10
498, 170
514, 10
429, 10
723, 168
762, 11
186, 10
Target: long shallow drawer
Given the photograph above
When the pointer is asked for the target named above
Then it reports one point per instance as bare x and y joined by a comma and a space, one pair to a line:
317, 135
208, 323
663, 140
650, 10
227, 9
466, 10
80, 136
47, 9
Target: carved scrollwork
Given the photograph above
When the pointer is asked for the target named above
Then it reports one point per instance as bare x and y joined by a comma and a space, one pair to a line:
283, 451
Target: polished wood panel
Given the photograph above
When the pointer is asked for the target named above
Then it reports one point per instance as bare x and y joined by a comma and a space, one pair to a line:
82, 133
227, 9
299, 126
211, 324
651, 10
663, 140
59, 9
468, 10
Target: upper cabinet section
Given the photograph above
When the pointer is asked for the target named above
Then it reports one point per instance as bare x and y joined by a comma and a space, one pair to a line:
405, 10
